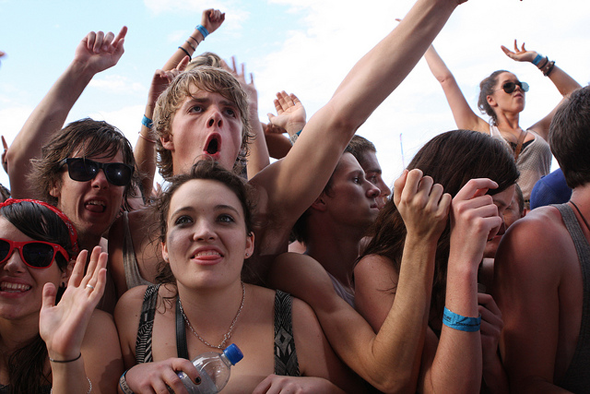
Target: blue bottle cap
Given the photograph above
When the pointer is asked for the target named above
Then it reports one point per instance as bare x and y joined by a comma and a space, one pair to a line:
233, 354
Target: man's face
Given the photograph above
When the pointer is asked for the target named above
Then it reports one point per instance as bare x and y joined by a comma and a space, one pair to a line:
373, 174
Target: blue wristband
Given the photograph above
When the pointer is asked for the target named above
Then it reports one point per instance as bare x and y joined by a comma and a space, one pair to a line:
461, 323
203, 31
537, 59
147, 122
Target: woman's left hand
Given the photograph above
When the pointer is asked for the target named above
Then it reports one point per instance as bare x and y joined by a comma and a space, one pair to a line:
519, 54
63, 326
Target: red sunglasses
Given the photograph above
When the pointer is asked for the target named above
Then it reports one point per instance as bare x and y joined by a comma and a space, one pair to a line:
35, 254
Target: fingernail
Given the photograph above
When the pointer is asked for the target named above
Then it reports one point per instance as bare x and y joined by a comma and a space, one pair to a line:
198, 380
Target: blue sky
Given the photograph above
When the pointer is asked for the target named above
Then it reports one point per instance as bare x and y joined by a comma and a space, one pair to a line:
305, 47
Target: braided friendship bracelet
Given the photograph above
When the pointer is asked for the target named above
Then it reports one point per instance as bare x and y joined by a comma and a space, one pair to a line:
461, 323
65, 361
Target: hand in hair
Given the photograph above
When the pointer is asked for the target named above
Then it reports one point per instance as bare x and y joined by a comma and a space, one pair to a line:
422, 204
290, 116
63, 326
97, 51
474, 220
519, 54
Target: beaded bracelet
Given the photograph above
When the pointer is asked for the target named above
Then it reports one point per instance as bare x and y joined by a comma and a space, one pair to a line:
191, 45
461, 323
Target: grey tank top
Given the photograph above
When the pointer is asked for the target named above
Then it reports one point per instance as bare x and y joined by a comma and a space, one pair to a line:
577, 377
132, 276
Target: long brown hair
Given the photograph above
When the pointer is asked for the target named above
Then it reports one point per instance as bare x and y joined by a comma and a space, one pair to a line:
26, 365
451, 159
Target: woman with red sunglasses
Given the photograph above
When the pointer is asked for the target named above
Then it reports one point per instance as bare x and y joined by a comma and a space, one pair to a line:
68, 347
502, 97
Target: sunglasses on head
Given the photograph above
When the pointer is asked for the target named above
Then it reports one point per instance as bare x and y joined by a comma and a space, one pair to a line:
510, 86
82, 170
35, 254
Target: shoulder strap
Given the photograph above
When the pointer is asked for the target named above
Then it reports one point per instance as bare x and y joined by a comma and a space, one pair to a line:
519, 144
181, 346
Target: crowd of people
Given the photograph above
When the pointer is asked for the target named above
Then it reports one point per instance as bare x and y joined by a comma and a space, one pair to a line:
299, 252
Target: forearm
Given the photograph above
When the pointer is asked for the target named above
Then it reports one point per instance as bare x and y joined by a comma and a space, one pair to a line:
494, 377
381, 70
189, 47
70, 378
258, 157
437, 66
563, 82
145, 153
45, 120
457, 365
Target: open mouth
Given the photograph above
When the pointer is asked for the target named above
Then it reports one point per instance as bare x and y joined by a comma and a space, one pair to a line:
213, 146
13, 287
95, 206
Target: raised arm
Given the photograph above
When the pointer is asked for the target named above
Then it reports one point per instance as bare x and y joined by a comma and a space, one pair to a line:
562, 81
95, 53
464, 116
145, 151
397, 304
73, 329
327, 133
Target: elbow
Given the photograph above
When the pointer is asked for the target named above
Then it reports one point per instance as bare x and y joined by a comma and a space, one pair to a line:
396, 383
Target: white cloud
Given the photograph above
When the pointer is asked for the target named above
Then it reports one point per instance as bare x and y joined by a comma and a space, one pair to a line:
117, 84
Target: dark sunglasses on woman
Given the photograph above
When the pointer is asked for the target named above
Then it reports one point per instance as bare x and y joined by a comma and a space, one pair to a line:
35, 254
82, 170
509, 87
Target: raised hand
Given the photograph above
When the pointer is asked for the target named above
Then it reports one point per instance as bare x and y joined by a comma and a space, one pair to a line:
211, 19
98, 51
249, 88
422, 204
519, 54
474, 220
290, 114
162, 79
63, 326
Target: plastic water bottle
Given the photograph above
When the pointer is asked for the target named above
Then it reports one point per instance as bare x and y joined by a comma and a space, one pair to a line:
214, 369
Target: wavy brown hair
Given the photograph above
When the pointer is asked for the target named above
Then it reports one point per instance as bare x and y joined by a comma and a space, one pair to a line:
451, 159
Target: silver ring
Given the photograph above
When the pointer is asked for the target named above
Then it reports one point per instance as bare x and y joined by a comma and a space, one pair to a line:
90, 286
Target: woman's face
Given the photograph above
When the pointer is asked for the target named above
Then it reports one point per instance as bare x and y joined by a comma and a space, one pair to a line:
206, 240
21, 287
206, 124
499, 100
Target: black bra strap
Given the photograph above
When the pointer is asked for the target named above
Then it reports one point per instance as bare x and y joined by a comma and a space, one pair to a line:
181, 347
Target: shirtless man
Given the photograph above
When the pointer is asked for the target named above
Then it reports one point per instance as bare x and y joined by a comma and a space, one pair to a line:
542, 272
332, 228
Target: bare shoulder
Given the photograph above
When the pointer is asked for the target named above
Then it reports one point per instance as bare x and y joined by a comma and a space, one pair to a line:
374, 265
305, 278
535, 250
129, 306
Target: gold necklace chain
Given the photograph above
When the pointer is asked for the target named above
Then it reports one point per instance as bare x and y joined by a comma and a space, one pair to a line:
227, 335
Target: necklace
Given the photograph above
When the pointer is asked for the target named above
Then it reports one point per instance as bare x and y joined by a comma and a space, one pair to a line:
583, 218
227, 335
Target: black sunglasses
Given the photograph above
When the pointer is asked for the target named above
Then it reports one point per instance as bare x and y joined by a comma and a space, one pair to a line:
82, 170
509, 87
35, 254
